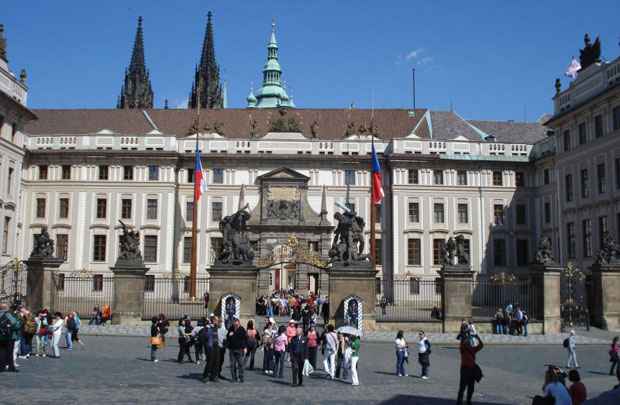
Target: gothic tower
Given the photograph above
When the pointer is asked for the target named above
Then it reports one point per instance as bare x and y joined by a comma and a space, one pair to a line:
207, 75
136, 91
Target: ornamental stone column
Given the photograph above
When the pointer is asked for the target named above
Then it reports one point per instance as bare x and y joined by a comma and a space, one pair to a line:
129, 277
457, 280
42, 267
545, 275
605, 291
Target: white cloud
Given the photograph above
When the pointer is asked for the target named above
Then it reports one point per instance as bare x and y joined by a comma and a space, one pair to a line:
183, 104
425, 60
415, 54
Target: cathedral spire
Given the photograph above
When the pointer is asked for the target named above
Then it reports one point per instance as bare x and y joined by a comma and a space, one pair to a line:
207, 75
136, 91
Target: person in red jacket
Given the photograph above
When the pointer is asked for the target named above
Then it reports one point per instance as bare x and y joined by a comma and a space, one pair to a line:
470, 372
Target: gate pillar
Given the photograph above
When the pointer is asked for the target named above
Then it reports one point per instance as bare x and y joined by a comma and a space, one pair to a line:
355, 280
605, 303
456, 296
40, 283
546, 295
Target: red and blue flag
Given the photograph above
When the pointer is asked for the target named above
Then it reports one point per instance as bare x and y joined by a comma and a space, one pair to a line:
200, 180
377, 187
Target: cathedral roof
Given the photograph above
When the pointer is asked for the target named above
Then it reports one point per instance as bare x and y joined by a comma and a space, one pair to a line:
326, 124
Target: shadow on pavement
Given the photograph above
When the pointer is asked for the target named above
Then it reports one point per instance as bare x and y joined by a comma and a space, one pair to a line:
421, 400
598, 372
191, 376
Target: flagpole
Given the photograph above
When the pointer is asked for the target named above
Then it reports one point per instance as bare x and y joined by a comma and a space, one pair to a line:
373, 241
194, 264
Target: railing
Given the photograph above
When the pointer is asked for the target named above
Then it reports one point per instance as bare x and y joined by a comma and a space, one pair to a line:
170, 296
488, 295
12, 282
412, 300
81, 294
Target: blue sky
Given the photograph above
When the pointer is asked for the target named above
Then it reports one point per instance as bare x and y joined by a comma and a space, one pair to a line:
489, 59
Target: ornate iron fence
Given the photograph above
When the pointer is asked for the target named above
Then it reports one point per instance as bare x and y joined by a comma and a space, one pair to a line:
171, 296
412, 300
500, 291
13, 278
82, 293
573, 294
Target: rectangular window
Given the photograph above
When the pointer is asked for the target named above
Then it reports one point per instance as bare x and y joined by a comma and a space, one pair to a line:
151, 208
149, 283
349, 177
218, 175
438, 177
602, 229
498, 178
598, 126
414, 286
127, 172
150, 248
585, 184
520, 179
187, 249
313, 246
9, 181
62, 245
189, 211
66, 172
617, 162
467, 249
378, 251
190, 175
602, 181
5, 235
98, 282
583, 138
569, 187
547, 176
521, 214
438, 213
414, 212
499, 252
567, 144
437, 251
377, 285
153, 173
414, 254
498, 214
547, 212
102, 208
570, 240
63, 211
126, 206
99, 248
103, 172
461, 178
216, 245
187, 281
616, 117
413, 176
463, 214
216, 211
586, 230
522, 252
41, 207
43, 172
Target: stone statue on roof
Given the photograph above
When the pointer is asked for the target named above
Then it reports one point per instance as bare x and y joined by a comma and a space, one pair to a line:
591, 52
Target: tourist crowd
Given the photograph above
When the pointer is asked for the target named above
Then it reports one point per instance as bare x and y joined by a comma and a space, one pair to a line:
511, 320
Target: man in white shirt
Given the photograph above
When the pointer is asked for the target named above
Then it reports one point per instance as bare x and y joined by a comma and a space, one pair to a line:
424, 352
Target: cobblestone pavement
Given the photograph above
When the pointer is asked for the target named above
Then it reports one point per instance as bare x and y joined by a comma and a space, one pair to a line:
115, 370
594, 336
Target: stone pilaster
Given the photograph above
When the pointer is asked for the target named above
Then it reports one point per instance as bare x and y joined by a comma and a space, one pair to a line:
457, 295
128, 302
605, 309
238, 280
41, 288
546, 293
353, 280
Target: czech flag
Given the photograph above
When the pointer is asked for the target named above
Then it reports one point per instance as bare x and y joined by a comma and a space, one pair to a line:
377, 188
200, 179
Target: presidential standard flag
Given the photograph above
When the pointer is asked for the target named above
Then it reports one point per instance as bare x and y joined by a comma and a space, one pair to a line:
200, 179
377, 188
573, 68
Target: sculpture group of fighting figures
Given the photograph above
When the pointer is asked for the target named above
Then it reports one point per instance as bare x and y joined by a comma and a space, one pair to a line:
348, 243
236, 247
454, 252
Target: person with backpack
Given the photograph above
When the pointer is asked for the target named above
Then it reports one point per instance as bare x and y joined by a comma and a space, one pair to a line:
570, 344
424, 353
71, 328
28, 331
10, 326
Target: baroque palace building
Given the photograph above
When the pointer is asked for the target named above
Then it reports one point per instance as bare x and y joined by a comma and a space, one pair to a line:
501, 185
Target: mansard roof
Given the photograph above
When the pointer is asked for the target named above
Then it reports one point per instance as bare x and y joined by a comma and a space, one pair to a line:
323, 124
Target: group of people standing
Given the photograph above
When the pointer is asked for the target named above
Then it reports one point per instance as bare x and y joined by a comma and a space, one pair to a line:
304, 309
511, 320
24, 335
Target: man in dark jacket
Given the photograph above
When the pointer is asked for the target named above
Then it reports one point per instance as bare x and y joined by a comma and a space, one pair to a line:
10, 327
237, 345
298, 350
212, 350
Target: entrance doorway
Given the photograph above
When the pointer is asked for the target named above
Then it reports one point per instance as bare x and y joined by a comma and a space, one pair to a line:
313, 282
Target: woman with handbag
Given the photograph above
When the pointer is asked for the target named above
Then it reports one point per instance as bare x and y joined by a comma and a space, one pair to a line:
614, 355
401, 353
155, 340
